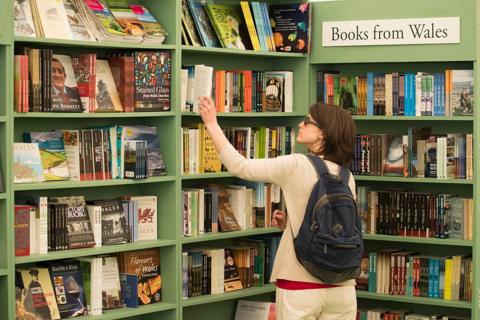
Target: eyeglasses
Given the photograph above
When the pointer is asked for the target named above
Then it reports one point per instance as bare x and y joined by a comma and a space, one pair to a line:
308, 121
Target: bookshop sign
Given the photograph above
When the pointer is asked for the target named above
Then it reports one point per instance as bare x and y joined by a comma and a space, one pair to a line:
391, 32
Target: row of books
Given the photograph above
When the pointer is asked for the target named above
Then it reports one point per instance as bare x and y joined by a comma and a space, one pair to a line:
399, 272
414, 214
420, 153
237, 90
247, 263
245, 205
88, 20
259, 26
88, 286
64, 223
380, 313
48, 82
199, 154
447, 93
111, 152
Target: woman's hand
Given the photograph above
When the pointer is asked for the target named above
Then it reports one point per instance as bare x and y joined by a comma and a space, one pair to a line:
279, 219
207, 110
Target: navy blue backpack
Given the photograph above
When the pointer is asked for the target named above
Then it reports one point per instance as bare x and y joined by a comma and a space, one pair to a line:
329, 243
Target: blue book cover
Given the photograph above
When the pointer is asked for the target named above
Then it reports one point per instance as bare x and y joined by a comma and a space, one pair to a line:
203, 24
129, 285
68, 287
369, 93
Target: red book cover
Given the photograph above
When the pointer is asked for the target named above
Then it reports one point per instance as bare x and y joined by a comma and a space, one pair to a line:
22, 230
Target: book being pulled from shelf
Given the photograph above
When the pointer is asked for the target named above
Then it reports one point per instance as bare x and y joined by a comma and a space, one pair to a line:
255, 310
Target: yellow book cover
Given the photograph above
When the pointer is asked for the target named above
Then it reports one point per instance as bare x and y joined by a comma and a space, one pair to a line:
247, 14
211, 159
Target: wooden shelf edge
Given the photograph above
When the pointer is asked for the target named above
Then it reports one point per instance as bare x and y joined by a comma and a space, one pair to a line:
417, 300
67, 254
210, 298
72, 115
193, 49
248, 114
229, 235
130, 312
412, 180
433, 241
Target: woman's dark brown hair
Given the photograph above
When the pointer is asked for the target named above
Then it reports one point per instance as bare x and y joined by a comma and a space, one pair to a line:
339, 132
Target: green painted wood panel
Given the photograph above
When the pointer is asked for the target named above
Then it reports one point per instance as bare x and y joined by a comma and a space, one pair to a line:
349, 10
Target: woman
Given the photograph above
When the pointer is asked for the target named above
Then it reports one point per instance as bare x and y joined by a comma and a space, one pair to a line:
328, 132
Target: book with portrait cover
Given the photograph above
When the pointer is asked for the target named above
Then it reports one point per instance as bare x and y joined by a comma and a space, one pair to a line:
152, 80
68, 287
65, 96
37, 296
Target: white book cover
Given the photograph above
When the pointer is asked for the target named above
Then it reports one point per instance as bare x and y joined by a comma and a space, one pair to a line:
203, 83
183, 100
110, 280
53, 18
95, 216
106, 94
76, 21
33, 230
255, 310
23, 20
42, 225
72, 150
147, 217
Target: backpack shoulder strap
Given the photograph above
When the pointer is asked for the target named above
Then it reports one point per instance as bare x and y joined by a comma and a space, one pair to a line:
319, 165
345, 175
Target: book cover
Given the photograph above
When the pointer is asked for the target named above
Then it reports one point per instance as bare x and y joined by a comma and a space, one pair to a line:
27, 165
114, 222
39, 297
106, 94
53, 19
23, 21
152, 80
393, 160
227, 23
111, 289
147, 217
68, 287
156, 163
274, 91
190, 29
255, 310
78, 27
22, 230
462, 96
80, 234
52, 153
151, 26
291, 27
204, 26
146, 265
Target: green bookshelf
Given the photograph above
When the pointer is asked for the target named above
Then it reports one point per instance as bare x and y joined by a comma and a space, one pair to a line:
357, 60
168, 188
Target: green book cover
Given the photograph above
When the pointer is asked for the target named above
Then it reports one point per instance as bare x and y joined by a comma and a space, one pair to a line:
226, 21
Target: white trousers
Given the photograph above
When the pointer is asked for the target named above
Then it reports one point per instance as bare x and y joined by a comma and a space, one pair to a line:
338, 303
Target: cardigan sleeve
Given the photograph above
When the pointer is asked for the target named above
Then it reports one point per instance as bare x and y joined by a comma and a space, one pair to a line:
275, 170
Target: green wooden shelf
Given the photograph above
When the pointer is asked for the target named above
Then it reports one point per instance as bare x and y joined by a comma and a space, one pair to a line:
94, 115
131, 312
417, 300
267, 288
208, 175
67, 254
221, 51
90, 44
412, 118
3, 119
3, 196
249, 114
3, 272
413, 180
433, 241
85, 184
229, 235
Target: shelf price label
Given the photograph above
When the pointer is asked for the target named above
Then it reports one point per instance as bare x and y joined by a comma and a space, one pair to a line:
391, 32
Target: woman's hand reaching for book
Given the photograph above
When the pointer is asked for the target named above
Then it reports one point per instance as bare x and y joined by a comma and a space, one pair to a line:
207, 111
279, 219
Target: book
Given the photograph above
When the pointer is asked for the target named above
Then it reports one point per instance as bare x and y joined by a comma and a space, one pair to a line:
255, 310
68, 287
152, 80
80, 234
111, 289
76, 20
23, 20
226, 21
106, 94
462, 96
22, 226
291, 26
65, 96
52, 153
114, 223
147, 217
39, 297
189, 25
53, 20
27, 165
203, 24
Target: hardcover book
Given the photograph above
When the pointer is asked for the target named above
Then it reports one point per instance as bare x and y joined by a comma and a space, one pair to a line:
227, 24
291, 27
462, 96
68, 287
147, 217
114, 223
106, 94
204, 26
